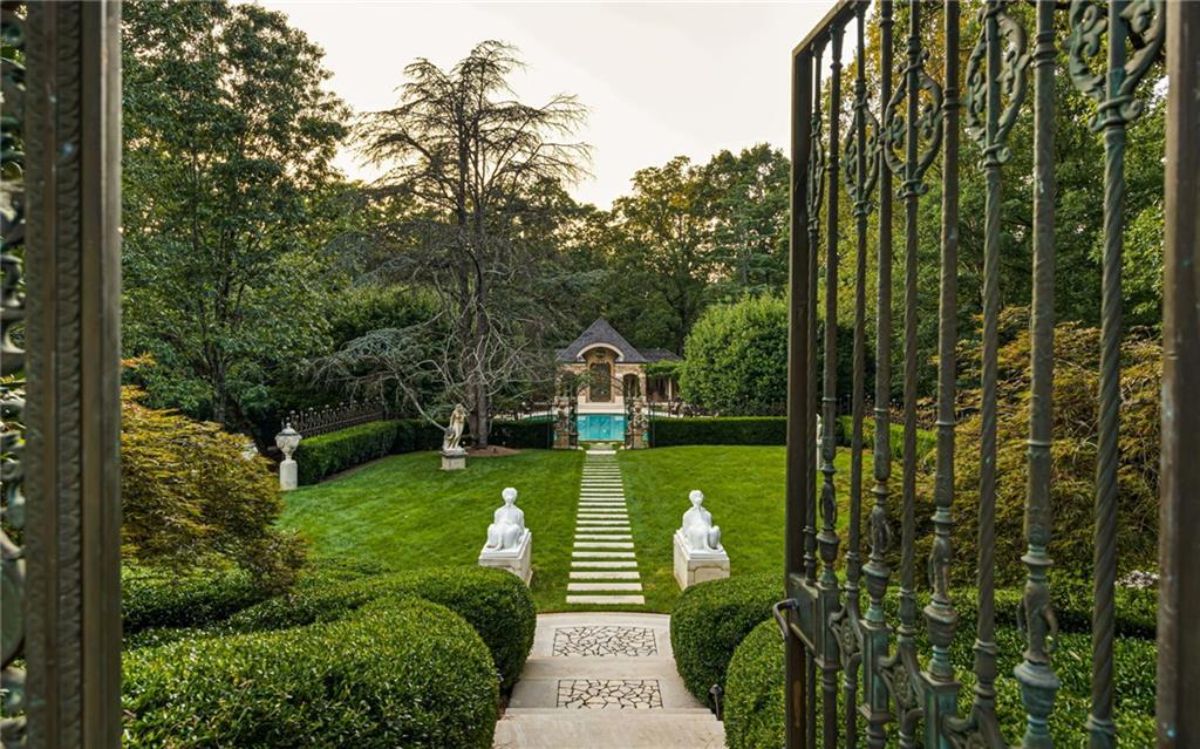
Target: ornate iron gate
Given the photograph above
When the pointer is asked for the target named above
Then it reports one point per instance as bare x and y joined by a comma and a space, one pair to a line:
847, 665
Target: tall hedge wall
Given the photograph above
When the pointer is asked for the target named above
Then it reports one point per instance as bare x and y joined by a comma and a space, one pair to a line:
529, 434
327, 454
732, 430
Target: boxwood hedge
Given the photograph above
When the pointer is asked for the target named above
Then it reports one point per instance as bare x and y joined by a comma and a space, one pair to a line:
399, 672
710, 619
496, 603
733, 430
529, 434
157, 599
754, 691
326, 454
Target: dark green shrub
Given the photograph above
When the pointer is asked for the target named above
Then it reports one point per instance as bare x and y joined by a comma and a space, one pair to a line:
736, 358
497, 604
330, 453
523, 434
710, 619
754, 691
733, 430
400, 672
150, 599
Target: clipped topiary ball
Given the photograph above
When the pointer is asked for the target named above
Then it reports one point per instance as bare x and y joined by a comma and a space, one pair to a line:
710, 620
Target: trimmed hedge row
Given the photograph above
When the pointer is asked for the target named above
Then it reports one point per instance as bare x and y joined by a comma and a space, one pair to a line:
754, 691
729, 430
496, 603
330, 453
399, 672
152, 600
523, 434
710, 619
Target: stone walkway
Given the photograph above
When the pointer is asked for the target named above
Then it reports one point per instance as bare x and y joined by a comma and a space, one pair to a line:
604, 679
603, 562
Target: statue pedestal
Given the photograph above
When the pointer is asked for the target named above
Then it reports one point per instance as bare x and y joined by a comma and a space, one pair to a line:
696, 566
288, 475
516, 560
455, 460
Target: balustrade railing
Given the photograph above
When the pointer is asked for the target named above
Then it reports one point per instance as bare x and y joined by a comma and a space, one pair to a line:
888, 671
310, 422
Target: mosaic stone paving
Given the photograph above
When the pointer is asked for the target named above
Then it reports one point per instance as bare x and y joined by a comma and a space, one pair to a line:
600, 641
600, 694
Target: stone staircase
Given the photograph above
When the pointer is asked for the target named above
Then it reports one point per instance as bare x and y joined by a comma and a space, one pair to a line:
604, 679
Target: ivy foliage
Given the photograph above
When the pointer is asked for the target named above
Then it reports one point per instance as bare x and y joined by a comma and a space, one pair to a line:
192, 498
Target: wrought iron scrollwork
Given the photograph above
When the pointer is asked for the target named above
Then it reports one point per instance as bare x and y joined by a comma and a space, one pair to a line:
926, 129
1011, 80
861, 195
12, 357
1089, 25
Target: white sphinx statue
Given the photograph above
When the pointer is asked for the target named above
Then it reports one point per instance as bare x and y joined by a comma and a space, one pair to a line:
509, 543
698, 529
508, 524
699, 555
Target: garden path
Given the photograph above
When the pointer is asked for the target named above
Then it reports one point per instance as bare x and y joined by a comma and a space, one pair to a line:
604, 679
604, 568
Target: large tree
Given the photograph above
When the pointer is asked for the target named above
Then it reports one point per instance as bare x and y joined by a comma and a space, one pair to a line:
229, 135
479, 174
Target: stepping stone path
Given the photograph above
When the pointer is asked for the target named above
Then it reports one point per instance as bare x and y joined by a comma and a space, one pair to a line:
604, 567
604, 679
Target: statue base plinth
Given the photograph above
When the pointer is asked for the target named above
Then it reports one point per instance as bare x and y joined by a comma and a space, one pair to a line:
288, 475
454, 460
696, 566
517, 560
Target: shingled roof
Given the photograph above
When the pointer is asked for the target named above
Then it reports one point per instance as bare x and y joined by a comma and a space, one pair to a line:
602, 333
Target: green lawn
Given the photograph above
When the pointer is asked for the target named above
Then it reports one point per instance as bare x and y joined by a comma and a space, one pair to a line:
743, 488
403, 512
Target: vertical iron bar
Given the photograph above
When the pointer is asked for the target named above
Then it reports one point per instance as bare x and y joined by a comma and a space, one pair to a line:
941, 619
985, 645
1038, 681
827, 539
799, 351
877, 571
816, 189
1101, 729
1179, 518
911, 192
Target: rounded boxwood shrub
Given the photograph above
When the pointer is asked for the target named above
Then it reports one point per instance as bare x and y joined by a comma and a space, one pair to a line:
754, 691
399, 672
496, 603
154, 599
710, 619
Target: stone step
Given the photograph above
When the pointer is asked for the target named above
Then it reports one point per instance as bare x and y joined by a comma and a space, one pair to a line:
602, 515
593, 565
601, 600
601, 529
603, 544
603, 555
604, 587
595, 521
602, 537
699, 712
607, 575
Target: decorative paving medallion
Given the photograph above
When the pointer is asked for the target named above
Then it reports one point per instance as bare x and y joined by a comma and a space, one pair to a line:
600, 641
600, 694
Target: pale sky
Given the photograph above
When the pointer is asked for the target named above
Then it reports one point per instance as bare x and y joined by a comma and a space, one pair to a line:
660, 79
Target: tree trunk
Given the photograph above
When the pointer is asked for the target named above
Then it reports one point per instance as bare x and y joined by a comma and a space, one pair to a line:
482, 406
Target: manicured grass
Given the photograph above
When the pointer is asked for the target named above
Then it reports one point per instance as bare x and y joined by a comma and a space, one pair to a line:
403, 512
743, 488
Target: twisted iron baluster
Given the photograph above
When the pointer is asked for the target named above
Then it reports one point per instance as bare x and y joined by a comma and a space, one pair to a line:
815, 193
876, 630
1038, 681
920, 132
1117, 108
996, 87
941, 620
12, 359
827, 538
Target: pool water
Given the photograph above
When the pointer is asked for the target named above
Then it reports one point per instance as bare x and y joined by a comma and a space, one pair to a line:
601, 427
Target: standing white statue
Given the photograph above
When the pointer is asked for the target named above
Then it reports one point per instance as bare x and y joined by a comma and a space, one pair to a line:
698, 530
508, 524
452, 442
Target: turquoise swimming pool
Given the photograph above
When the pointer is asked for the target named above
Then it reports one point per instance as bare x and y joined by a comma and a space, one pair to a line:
601, 427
